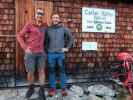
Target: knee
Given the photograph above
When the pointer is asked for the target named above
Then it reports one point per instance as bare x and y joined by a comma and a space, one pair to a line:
62, 69
51, 69
41, 71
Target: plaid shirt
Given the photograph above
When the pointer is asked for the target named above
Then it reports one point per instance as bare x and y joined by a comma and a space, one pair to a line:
32, 36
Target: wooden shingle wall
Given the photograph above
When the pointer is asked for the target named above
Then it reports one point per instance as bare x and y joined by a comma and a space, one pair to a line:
70, 11
7, 34
108, 43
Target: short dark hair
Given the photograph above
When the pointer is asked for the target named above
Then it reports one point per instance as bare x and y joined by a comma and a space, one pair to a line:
55, 13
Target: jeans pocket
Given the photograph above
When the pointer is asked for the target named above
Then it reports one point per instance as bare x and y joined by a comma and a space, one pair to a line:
27, 55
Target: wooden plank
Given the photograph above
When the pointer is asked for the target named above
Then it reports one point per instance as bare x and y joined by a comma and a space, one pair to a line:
7, 35
20, 21
17, 28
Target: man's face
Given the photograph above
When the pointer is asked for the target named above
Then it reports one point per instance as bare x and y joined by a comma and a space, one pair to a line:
39, 18
55, 19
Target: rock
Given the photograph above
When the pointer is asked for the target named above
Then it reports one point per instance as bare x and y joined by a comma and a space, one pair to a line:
108, 98
52, 98
71, 96
101, 90
22, 92
15, 98
77, 90
18, 94
84, 97
93, 97
2, 97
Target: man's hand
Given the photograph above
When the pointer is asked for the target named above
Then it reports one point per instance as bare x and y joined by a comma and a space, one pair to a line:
64, 49
28, 51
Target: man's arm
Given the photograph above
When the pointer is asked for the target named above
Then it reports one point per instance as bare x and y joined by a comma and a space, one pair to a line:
46, 40
69, 38
21, 36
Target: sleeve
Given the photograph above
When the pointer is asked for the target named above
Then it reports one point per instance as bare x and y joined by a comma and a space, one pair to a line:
69, 38
46, 40
21, 36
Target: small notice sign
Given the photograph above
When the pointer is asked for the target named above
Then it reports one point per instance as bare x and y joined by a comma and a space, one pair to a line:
89, 45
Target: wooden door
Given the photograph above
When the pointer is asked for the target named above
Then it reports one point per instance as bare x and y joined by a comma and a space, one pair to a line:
25, 11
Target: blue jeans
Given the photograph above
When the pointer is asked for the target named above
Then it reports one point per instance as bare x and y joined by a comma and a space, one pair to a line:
53, 59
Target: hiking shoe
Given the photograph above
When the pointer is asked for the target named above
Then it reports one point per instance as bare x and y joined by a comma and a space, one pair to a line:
52, 92
64, 92
42, 93
29, 92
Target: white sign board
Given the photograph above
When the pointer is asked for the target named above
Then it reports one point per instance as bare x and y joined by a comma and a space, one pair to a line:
89, 45
98, 20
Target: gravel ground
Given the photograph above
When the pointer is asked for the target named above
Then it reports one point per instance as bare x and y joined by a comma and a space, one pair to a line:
18, 94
